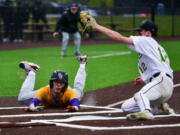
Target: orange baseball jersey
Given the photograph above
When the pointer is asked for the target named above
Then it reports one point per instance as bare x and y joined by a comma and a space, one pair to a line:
45, 97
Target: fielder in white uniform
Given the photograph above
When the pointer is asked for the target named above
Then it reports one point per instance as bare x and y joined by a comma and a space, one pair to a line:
154, 68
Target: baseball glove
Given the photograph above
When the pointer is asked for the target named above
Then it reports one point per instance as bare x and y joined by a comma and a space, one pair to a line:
87, 20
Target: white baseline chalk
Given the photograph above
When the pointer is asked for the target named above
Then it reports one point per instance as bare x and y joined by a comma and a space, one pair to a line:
59, 114
176, 85
109, 54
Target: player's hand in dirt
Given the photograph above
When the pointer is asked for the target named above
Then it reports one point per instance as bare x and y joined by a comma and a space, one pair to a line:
32, 108
71, 109
139, 81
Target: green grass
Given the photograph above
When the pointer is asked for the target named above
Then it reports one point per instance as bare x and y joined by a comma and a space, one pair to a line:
102, 72
164, 24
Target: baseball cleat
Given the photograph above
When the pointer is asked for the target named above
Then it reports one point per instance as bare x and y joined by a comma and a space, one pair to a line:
146, 115
82, 59
165, 109
77, 54
28, 66
63, 54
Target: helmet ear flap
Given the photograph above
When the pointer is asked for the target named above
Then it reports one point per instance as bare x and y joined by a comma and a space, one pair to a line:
51, 84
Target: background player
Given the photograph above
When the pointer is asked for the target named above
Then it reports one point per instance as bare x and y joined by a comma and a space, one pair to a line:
68, 25
57, 94
154, 68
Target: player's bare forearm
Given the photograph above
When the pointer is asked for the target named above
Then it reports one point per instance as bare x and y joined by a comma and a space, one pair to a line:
113, 34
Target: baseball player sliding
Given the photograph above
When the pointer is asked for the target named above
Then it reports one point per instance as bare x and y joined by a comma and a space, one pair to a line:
57, 93
154, 68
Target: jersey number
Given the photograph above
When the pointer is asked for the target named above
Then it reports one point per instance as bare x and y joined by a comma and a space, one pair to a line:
163, 55
143, 67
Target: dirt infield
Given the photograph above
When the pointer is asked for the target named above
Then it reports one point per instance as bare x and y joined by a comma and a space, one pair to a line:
100, 114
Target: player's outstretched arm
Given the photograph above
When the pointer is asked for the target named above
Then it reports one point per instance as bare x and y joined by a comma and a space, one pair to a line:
113, 34
74, 105
72, 109
33, 105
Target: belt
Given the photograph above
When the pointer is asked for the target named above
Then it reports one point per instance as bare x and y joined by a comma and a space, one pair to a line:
157, 74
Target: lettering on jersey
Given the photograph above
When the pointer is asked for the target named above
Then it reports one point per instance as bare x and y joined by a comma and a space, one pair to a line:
142, 67
162, 54
140, 55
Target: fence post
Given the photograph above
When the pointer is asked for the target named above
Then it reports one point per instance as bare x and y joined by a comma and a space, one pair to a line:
172, 14
134, 20
112, 22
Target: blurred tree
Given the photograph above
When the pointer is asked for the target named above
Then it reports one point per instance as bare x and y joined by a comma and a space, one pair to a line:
82, 1
101, 3
98, 3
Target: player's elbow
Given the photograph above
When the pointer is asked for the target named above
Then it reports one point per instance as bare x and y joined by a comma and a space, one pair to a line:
125, 40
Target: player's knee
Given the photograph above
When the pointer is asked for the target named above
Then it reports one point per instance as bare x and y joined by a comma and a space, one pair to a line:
125, 108
21, 102
137, 96
20, 98
65, 38
77, 37
24, 101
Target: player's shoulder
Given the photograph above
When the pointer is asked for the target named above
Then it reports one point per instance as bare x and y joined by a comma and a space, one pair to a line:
70, 93
143, 39
45, 88
69, 90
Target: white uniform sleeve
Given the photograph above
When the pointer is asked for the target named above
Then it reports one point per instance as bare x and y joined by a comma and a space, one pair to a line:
139, 44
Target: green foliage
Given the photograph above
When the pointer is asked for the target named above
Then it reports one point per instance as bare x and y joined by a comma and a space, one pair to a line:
101, 3
101, 71
97, 3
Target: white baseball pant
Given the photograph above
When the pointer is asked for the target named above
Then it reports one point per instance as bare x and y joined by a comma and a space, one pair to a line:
158, 91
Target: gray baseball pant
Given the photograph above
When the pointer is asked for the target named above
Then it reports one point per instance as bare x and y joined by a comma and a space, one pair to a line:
65, 40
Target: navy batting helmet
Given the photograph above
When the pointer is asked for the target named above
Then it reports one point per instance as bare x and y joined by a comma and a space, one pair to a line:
59, 75
148, 25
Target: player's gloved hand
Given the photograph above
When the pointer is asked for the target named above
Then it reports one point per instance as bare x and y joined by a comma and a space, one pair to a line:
87, 20
32, 108
71, 109
139, 81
